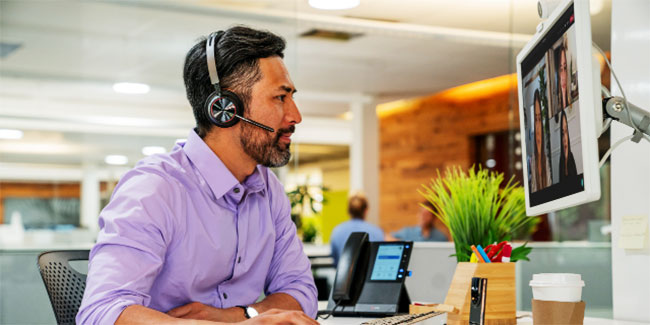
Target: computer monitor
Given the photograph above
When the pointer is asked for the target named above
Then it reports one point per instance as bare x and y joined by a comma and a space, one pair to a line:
559, 109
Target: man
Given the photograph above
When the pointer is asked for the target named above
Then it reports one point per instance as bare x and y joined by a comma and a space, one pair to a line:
357, 208
198, 234
429, 228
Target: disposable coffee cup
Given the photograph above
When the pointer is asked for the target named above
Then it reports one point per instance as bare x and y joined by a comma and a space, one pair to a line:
562, 287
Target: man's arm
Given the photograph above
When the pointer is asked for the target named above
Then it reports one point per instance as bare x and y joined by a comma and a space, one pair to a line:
290, 271
140, 315
130, 248
196, 310
137, 315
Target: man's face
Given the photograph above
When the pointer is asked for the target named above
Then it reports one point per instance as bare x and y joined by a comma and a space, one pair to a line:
425, 218
271, 104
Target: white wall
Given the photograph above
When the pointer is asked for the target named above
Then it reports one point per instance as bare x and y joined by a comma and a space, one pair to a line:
631, 162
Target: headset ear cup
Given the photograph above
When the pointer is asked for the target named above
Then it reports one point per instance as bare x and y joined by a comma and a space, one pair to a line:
223, 109
233, 98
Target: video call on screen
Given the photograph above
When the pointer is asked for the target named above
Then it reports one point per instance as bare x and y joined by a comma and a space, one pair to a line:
552, 114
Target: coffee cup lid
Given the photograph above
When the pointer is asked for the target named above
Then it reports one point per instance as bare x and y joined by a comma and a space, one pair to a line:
556, 279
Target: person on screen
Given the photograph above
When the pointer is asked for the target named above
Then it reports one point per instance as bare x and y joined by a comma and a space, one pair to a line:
194, 236
568, 171
357, 208
541, 174
429, 227
563, 78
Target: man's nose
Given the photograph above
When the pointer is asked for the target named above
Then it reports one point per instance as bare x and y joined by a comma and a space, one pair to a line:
293, 114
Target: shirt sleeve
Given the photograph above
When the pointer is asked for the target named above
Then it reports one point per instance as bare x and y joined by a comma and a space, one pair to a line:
400, 234
290, 270
130, 248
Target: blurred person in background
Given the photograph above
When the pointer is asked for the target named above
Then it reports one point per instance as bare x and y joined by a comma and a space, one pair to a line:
429, 227
357, 208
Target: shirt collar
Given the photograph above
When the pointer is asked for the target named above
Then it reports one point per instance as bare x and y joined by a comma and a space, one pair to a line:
214, 172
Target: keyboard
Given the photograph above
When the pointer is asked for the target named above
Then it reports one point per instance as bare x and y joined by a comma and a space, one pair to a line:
403, 319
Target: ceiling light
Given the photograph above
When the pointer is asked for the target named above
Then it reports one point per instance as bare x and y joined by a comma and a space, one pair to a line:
11, 134
334, 4
131, 88
116, 160
152, 150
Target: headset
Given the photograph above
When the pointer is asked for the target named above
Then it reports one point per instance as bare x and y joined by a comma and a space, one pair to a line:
225, 108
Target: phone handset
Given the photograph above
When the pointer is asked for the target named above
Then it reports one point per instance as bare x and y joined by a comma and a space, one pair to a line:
350, 273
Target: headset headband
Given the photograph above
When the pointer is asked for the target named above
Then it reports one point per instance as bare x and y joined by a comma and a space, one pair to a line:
212, 64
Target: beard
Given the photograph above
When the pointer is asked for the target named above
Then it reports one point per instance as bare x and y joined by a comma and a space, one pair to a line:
265, 147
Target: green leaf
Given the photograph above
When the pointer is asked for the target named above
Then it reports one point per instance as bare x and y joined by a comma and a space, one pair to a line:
520, 253
478, 208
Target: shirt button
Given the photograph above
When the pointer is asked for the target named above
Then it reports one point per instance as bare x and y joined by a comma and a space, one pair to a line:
239, 260
236, 189
225, 296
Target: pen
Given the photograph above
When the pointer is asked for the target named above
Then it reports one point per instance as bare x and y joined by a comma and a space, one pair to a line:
486, 259
478, 255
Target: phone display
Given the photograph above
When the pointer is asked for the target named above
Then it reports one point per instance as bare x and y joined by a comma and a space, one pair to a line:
387, 263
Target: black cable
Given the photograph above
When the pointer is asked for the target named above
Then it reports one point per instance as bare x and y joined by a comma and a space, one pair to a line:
328, 312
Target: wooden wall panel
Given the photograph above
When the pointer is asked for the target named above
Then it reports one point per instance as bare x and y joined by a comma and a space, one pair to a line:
430, 134
37, 190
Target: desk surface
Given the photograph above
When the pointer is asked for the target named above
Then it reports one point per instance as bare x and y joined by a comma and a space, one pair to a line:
524, 319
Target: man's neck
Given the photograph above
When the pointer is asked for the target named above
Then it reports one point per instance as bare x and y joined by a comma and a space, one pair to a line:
229, 150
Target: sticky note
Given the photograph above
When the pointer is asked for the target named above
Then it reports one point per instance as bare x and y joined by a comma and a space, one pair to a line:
634, 230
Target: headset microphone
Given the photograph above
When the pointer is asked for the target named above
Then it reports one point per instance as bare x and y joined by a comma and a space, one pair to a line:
225, 108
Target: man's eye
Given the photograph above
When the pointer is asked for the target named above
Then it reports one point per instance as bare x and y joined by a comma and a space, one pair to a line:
281, 97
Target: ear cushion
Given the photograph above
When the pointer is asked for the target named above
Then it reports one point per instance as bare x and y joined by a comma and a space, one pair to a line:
222, 109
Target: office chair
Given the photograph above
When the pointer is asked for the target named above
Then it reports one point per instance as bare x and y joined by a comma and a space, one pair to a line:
64, 285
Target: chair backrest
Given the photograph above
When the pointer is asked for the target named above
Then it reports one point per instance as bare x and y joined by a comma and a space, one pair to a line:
64, 285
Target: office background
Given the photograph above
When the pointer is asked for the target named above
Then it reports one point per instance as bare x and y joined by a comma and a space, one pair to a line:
390, 93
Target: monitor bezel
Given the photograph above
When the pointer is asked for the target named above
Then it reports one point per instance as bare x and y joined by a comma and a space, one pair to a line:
588, 101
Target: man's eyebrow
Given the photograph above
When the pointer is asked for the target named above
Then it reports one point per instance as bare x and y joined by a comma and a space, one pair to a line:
288, 89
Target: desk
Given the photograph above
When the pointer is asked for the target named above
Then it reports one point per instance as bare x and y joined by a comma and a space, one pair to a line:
524, 318
440, 320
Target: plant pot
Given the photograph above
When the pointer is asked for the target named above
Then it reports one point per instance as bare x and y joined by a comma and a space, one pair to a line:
501, 299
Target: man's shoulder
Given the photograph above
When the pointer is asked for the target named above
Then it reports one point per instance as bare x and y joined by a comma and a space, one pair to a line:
342, 228
408, 231
173, 167
157, 173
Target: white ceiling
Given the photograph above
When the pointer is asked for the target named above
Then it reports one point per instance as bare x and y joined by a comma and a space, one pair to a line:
58, 82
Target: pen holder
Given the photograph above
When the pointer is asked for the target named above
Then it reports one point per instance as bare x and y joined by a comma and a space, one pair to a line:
501, 299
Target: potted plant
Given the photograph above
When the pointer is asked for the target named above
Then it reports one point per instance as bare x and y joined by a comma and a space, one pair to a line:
478, 211
305, 200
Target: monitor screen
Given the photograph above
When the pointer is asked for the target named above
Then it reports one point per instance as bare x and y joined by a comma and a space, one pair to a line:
387, 262
552, 114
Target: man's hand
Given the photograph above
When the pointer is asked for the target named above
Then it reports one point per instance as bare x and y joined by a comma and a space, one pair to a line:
284, 317
197, 310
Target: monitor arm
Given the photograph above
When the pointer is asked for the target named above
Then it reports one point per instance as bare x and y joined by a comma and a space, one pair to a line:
634, 117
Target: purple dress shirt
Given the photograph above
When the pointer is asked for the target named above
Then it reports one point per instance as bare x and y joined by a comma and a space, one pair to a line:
180, 228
